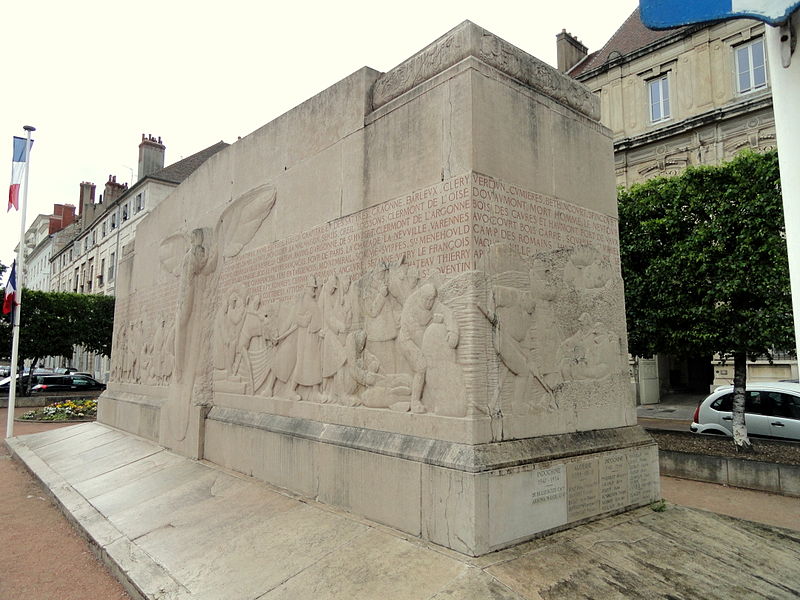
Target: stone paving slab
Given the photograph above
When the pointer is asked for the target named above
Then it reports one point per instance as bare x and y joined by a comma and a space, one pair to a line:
173, 528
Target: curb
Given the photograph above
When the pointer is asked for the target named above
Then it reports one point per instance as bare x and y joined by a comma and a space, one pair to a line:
778, 478
64, 422
139, 574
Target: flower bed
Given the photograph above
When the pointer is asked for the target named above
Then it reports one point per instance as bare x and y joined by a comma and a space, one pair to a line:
78, 409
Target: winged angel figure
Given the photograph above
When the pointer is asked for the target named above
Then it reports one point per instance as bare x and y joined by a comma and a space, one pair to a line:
196, 257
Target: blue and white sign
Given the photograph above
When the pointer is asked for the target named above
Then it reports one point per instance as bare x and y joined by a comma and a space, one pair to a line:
666, 14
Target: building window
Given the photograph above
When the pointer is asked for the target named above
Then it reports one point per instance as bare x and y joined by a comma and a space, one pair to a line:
103, 229
139, 204
114, 221
102, 271
659, 99
125, 212
751, 68
111, 266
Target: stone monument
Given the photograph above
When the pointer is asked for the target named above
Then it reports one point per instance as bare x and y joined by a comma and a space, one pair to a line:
402, 298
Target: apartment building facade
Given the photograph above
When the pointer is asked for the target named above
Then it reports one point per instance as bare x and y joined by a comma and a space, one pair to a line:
86, 261
695, 95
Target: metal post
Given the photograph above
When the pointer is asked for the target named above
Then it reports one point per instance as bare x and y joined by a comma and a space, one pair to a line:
12, 387
784, 72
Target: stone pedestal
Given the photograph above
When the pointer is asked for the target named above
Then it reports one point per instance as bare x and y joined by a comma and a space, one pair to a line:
403, 298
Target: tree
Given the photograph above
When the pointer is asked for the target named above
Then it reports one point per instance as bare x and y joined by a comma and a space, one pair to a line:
53, 323
97, 317
705, 266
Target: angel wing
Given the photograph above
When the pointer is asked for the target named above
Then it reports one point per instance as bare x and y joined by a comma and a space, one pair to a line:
242, 218
171, 252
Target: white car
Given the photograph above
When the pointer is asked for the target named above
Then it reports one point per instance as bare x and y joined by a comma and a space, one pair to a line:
772, 409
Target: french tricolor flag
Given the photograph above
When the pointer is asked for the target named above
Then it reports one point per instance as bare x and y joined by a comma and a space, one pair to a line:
17, 171
11, 290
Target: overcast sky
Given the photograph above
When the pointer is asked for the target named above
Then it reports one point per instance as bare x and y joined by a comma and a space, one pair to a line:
93, 76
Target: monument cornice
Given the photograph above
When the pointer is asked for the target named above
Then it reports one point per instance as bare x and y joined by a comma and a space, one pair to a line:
467, 39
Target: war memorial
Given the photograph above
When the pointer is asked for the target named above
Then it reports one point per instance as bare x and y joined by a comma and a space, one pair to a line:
400, 300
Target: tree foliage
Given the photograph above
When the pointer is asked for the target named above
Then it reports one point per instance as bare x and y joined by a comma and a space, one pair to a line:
705, 267
704, 261
52, 323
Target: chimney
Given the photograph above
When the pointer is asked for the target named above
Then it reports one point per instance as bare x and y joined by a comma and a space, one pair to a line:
86, 202
113, 190
63, 215
151, 156
569, 51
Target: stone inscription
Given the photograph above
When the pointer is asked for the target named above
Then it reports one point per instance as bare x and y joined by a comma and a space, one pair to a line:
531, 222
613, 481
643, 476
548, 485
583, 489
445, 227
527, 502
428, 228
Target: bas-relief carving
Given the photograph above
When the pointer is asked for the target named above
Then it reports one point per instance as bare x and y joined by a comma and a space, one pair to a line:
391, 340
424, 65
511, 335
399, 354
708, 146
552, 354
144, 351
195, 258
540, 76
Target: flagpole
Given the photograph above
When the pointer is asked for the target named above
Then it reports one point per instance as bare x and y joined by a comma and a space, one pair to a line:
12, 388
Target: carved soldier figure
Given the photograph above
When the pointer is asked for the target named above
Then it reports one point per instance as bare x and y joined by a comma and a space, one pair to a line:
416, 316
333, 331
308, 319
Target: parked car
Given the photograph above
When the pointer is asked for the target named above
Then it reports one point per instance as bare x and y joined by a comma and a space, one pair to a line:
65, 383
772, 409
21, 387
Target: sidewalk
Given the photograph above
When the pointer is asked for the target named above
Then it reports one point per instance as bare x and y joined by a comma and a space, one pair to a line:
50, 560
679, 407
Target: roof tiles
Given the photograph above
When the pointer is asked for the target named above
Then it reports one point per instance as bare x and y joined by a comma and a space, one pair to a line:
631, 36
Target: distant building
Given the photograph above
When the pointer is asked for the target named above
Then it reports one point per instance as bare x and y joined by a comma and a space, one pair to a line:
39, 243
696, 95
85, 260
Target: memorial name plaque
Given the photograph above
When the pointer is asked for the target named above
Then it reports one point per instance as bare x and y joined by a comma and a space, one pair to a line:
643, 482
536, 499
583, 489
613, 481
